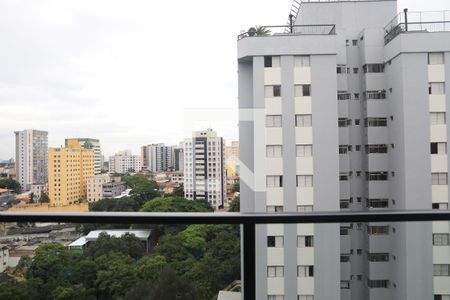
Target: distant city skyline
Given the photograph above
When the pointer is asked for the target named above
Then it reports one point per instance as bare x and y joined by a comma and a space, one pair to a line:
124, 76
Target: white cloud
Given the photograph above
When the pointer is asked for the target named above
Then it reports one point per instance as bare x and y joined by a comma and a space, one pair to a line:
124, 71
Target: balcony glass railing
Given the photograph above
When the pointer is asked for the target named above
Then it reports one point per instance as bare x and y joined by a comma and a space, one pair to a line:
151, 256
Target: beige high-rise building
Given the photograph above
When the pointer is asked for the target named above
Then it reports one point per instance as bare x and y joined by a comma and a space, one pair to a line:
68, 170
232, 159
232, 150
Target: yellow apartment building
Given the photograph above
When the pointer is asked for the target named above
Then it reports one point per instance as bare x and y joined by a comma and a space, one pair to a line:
68, 170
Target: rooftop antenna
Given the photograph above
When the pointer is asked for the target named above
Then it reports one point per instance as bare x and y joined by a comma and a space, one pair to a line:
405, 11
291, 23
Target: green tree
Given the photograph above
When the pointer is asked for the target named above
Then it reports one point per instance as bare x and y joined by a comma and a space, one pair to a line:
52, 266
23, 265
178, 191
118, 276
26, 290
10, 184
143, 189
175, 204
44, 198
236, 187
127, 245
109, 204
235, 205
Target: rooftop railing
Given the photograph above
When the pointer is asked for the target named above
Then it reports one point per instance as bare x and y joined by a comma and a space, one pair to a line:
430, 21
287, 30
247, 220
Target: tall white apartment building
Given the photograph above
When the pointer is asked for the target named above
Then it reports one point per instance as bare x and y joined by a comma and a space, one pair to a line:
89, 143
124, 162
31, 157
157, 157
204, 169
347, 111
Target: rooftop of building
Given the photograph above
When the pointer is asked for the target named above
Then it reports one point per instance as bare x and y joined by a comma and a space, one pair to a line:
417, 22
139, 234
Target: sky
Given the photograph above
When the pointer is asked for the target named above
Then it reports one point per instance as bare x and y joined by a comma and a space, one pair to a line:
129, 73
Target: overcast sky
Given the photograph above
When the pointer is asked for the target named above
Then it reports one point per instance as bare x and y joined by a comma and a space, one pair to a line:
127, 72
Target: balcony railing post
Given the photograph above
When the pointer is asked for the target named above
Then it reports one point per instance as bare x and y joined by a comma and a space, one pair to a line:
249, 246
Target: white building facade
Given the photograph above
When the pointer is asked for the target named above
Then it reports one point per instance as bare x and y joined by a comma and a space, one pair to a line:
349, 116
157, 157
31, 157
95, 187
204, 169
124, 162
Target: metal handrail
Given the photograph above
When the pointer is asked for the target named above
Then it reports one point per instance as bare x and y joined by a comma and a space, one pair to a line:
227, 218
313, 29
415, 27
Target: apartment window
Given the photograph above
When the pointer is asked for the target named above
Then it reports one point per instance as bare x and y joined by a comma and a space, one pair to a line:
274, 151
378, 229
345, 284
304, 181
377, 283
373, 68
443, 206
304, 150
441, 270
343, 149
343, 95
274, 208
436, 88
302, 61
304, 208
344, 122
302, 90
377, 257
374, 95
341, 69
437, 118
439, 178
440, 239
358, 147
375, 122
305, 297
271, 61
305, 271
356, 96
343, 176
435, 58
355, 42
272, 91
377, 203
438, 148
275, 297
305, 241
345, 257
344, 230
273, 121
376, 148
274, 181
275, 241
355, 70
275, 271
303, 120
356, 121
376, 176
344, 203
